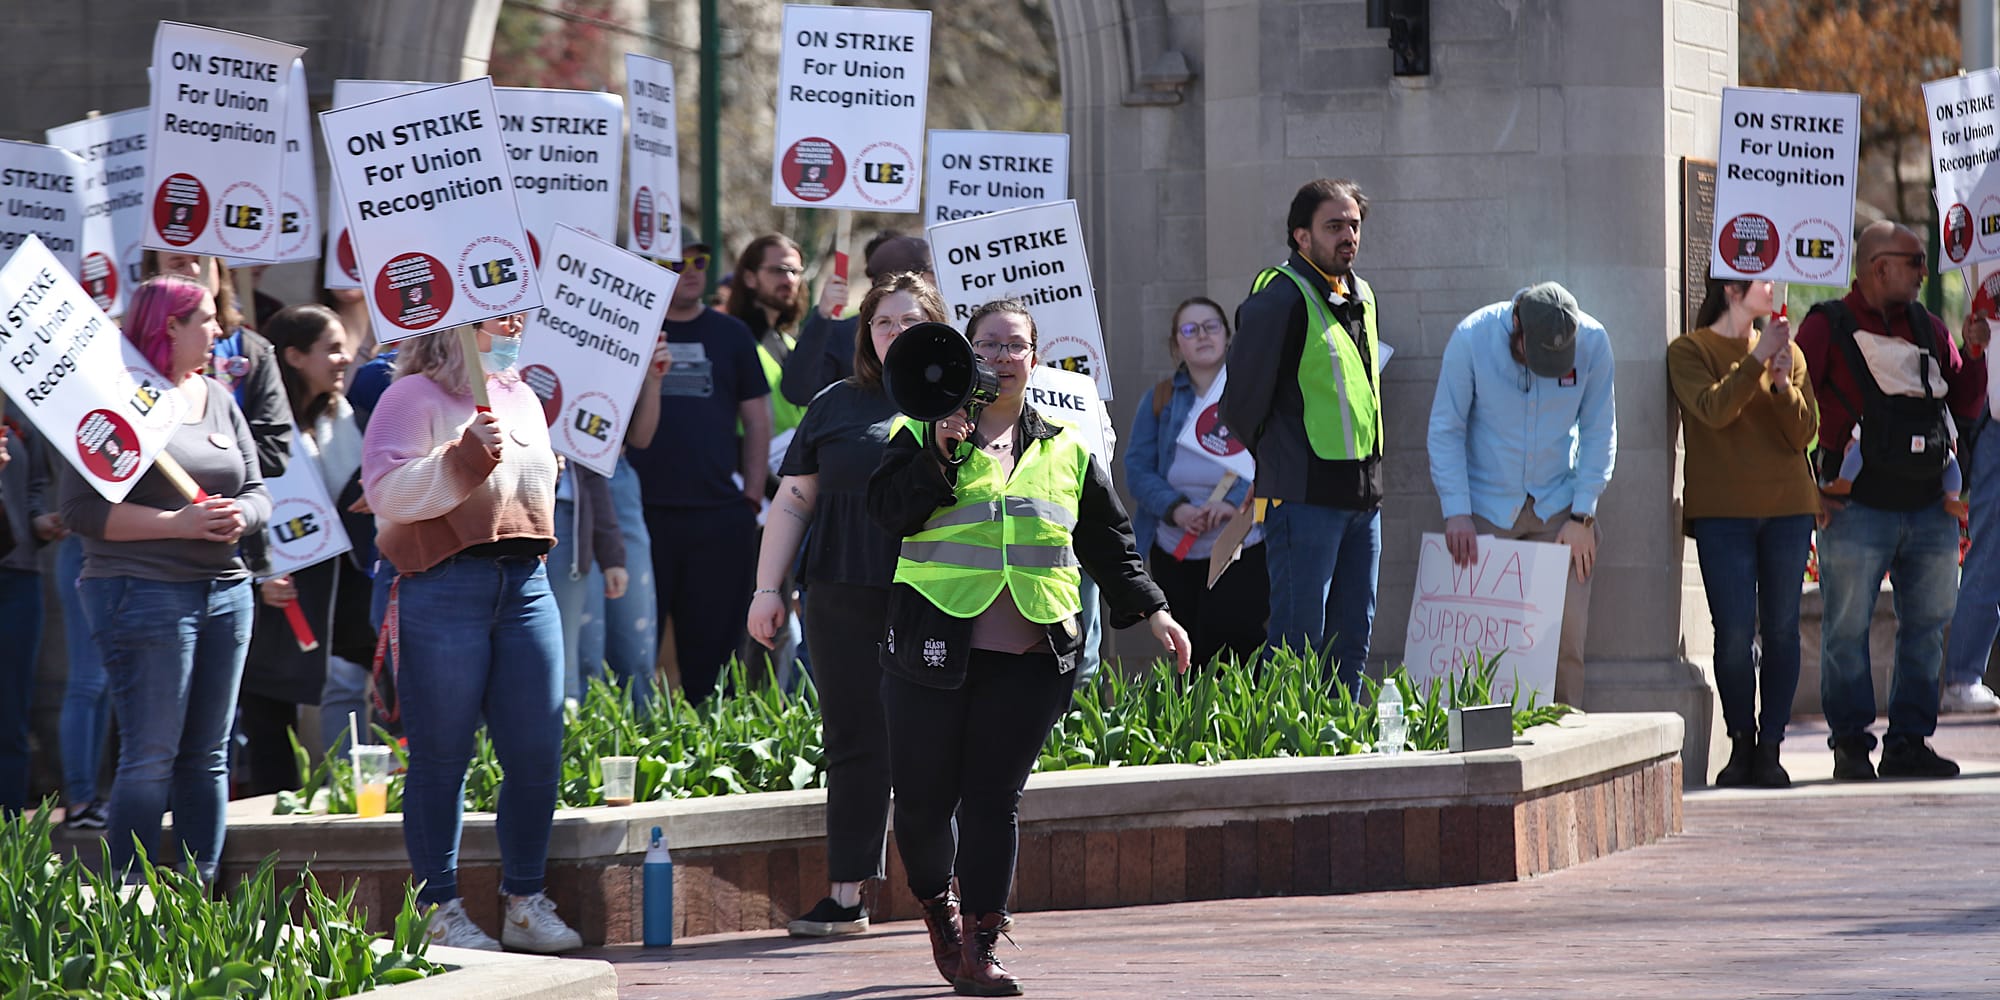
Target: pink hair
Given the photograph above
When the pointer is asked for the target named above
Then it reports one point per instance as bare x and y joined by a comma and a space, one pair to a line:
158, 300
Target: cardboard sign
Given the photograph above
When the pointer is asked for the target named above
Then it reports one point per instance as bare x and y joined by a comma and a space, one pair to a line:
305, 528
978, 173
343, 269
65, 366
1964, 113
1207, 434
1784, 185
216, 148
564, 149
1509, 601
298, 219
852, 84
42, 194
652, 159
1034, 254
585, 351
430, 208
1071, 397
113, 149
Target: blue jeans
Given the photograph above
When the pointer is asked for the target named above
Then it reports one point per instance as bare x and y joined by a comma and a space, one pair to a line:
480, 638
86, 704
174, 653
569, 585
1918, 550
21, 622
345, 691
1977, 621
1323, 564
1754, 569
630, 643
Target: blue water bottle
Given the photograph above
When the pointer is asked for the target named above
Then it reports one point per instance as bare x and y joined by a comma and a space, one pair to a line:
659, 900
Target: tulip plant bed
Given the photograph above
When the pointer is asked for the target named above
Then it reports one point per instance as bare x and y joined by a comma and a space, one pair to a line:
758, 739
69, 931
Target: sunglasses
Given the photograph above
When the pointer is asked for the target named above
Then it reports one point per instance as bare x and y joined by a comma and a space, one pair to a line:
1917, 259
697, 260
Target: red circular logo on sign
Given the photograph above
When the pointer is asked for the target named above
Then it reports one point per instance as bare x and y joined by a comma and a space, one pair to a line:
180, 209
413, 291
813, 169
1749, 243
1957, 232
100, 278
642, 217
1213, 435
107, 445
534, 248
548, 388
343, 254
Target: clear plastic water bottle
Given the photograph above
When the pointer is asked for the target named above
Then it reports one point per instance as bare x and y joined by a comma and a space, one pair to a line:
659, 893
1391, 727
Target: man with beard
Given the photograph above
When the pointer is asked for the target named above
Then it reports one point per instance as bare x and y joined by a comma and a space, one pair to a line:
1304, 393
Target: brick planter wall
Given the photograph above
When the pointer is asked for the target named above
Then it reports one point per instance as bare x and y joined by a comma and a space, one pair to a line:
1100, 838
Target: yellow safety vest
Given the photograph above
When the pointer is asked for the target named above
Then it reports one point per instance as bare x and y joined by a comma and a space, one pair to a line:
1342, 392
785, 414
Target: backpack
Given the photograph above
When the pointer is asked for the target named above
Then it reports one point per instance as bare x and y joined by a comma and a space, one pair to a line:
1902, 437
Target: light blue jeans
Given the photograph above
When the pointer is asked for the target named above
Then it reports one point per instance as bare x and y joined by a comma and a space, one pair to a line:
1323, 563
623, 634
1977, 621
1918, 550
174, 654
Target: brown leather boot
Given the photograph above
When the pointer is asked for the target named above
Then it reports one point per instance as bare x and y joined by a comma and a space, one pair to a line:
979, 971
941, 917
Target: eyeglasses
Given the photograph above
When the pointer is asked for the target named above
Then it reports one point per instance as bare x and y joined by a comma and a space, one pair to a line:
1916, 258
1189, 331
697, 261
782, 269
1012, 350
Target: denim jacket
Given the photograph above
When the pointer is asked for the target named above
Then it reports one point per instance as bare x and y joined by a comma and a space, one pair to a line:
1151, 454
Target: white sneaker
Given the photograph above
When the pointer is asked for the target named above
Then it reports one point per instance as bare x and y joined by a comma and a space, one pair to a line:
450, 927
532, 925
1968, 699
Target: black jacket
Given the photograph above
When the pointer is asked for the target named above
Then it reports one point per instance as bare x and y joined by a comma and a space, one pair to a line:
911, 485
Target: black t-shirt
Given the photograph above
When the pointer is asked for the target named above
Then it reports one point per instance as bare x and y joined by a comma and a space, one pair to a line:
841, 440
699, 446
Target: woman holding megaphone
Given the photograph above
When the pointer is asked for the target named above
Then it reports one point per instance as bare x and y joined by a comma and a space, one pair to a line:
997, 508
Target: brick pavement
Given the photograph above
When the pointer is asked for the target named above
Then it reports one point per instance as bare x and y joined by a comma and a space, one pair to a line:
1885, 890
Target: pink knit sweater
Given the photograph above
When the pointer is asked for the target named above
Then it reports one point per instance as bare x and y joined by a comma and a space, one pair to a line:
436, 493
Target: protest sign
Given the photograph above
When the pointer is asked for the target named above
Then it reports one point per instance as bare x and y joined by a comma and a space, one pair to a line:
652, 159
113, 149
430, 208
342, 268
1207, 434
216, 153
978, 173
1784, 185
585, 351
298, 220
563, 147
1508, 601
305, 529
42, 194
1036, 255
1965, 139
1071, 397
1982, 291
65, 366
852, 83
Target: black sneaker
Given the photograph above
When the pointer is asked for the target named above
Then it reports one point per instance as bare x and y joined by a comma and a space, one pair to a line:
90, 817
1850, 757
1915, 759
830, 919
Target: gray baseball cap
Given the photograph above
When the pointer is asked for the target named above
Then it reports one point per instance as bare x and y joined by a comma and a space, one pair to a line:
1549, 317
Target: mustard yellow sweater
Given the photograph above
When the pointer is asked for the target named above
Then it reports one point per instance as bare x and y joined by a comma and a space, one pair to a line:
1745, 441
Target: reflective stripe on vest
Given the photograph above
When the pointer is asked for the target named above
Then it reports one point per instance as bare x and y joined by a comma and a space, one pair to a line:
1343, 411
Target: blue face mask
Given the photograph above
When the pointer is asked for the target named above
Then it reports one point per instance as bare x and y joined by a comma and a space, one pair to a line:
506, 350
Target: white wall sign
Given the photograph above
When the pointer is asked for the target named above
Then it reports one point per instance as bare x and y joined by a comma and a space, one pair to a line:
564, 148
113, 149
976, 173
1071, 397
298, 217
42, 194
342, 269
852, 83
217, 141
1034, 254
65, 366
585, 351
1509, 601
1964, 113
653, 159
305, 528
430, 208
1784, 185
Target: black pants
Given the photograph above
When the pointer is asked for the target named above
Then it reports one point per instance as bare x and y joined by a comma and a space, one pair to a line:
969, 752
843, 625
704, 567
1229, 618
267, 724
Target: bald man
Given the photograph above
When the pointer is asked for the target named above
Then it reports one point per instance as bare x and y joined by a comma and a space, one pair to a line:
1892, 523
